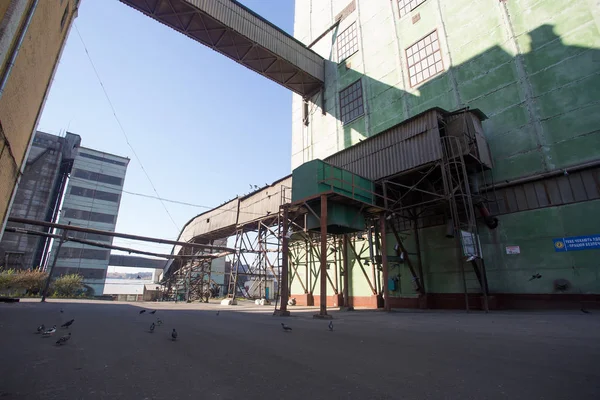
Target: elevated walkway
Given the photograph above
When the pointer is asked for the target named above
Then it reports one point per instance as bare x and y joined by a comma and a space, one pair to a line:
235, 31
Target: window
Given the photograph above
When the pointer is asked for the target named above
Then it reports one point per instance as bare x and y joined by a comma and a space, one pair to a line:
104, 160
89, 216
90, 254
89, 236
95, 194
406, 6
351, 102
98, 177
424, 59
347, 43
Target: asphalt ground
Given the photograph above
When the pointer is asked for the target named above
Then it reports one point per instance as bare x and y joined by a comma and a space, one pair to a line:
243, 353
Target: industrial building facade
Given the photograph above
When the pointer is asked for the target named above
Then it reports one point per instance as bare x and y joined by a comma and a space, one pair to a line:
531, 66
474, 123
32, 36
38, 198
92, 200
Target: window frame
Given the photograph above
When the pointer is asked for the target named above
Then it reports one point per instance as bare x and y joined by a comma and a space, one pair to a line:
400, 15
341, 56
362, 97
409, 66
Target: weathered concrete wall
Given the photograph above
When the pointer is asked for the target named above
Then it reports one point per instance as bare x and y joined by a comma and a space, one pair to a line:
23, 97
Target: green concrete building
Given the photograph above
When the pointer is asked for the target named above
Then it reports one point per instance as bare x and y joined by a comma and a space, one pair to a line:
533, 68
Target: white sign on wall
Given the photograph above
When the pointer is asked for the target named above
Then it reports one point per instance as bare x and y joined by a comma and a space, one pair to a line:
513, 250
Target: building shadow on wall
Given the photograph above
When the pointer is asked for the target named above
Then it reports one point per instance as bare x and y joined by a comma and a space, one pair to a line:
518, 94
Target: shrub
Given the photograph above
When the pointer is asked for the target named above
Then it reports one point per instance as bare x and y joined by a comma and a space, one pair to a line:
67, 285
30, 281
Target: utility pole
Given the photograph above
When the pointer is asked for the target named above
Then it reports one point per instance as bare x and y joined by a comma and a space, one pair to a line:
63, 238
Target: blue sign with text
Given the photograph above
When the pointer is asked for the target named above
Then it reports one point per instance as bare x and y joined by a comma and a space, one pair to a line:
575, 243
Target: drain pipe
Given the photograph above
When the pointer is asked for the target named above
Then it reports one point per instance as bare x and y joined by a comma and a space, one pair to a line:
3, 80
17, 47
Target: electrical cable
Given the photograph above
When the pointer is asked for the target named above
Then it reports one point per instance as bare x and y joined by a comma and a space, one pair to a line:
122, 129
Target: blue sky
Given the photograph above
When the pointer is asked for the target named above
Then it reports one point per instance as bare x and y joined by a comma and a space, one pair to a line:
203, 126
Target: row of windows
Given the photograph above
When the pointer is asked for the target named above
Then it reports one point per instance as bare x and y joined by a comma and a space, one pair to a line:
88, 254
104, 160
97, 177
89, 236
89, 216
95, 194
424, 60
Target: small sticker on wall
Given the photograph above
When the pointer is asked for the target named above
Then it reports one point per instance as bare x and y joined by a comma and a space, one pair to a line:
513, 250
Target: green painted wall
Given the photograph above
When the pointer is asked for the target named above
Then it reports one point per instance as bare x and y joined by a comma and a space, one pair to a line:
532, 66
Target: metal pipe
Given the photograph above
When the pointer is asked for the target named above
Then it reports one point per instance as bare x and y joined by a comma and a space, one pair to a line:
323, 278
537, 177
115, 234
17, 46
47, 285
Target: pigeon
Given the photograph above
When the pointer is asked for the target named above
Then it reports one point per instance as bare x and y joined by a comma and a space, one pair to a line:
152, 327
174, 334
143, 311
67, 324
218, 313
285, 327
153, 312
159, 322
63, 339
49, 332
331, 326
40, 328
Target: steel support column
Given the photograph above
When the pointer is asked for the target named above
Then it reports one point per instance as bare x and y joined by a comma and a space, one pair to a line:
285, 249
384, 264
323, 275
346, 291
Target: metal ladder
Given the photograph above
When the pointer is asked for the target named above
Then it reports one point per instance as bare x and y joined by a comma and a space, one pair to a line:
456, 186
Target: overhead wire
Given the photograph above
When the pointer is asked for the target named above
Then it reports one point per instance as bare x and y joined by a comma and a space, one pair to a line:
122, 129
165, 200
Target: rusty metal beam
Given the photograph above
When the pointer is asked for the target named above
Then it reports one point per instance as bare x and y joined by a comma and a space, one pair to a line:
323, 291
114, 234
363, 270
384, 264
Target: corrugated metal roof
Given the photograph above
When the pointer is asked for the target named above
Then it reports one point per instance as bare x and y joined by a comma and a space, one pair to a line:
265, 201
408, 145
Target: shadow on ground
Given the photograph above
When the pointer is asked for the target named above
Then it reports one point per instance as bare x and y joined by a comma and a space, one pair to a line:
244, 353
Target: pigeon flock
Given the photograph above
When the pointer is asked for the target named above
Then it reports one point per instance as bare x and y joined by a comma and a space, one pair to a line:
47, 332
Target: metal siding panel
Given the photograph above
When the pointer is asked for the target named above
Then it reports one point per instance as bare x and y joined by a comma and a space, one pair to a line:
553, 191
542, 195
511, 200
263, 33
400, 148
577, 187
530, 196
590, 182
564, 188
521, 198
